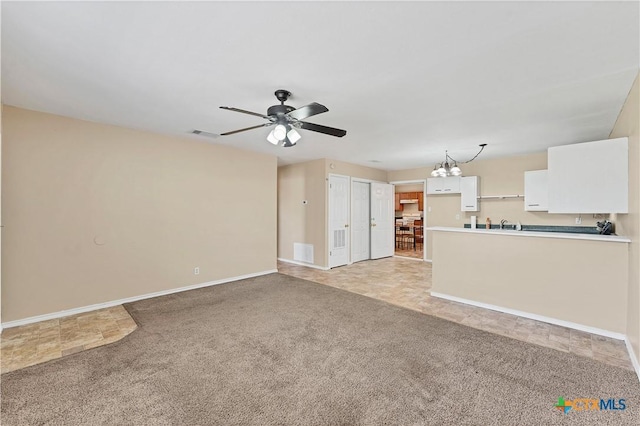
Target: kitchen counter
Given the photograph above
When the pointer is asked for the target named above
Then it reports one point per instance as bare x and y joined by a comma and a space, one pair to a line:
575, 280
537, 234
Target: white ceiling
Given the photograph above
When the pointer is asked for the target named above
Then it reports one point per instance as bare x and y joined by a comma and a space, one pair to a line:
407, 80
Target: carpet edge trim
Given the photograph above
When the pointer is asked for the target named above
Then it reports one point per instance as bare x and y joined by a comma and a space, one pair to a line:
95, 307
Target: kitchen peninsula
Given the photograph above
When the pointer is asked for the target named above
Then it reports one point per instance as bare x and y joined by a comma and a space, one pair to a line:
575, 280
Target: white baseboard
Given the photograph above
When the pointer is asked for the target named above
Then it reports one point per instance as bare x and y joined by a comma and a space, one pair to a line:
568, 324
632, 355
308, 265
97, 306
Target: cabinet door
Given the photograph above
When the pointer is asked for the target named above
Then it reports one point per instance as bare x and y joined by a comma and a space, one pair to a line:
445, 185
398, 205
469, 191
420, 201
434, 185
451, 185
413, 195
536, 191
591, 177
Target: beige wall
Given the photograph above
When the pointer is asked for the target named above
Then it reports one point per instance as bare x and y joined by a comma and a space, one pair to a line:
307, 224
95, 213
505, 176
354, 170
415, 187
408, 174
1, 109
628, 124
298, 222
583, 282
502, 176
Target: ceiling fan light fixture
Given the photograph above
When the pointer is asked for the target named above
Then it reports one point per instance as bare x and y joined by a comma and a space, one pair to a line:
287, 143
271, 138
293, 136
284, 118
280, 132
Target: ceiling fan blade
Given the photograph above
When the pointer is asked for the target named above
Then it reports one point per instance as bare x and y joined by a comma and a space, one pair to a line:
245, 129
322, 129
246, 112
306, 111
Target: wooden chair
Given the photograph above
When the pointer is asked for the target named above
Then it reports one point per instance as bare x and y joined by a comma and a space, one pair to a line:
403, 233
418, 234
398, 236
408, 237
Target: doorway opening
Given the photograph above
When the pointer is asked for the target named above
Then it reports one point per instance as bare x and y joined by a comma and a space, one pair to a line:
410, 219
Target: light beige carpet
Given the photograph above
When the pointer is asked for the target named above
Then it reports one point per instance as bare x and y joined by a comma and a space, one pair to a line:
280, 350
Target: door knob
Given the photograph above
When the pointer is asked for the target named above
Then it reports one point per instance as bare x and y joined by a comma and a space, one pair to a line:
346, 226
373, 224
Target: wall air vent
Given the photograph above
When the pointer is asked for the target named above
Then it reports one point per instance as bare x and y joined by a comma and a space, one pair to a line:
205, 134
339, 238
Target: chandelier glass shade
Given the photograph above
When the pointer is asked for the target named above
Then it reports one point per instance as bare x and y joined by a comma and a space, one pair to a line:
445, 169
449, 167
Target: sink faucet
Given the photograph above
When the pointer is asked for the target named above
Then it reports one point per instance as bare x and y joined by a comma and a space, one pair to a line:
502, 223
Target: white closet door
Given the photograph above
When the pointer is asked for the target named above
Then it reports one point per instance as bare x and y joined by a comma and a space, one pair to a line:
360, 229
338, 220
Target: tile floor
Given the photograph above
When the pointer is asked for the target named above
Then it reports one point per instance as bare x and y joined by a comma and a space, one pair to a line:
415, 254
406, 282
403, 282
43, 341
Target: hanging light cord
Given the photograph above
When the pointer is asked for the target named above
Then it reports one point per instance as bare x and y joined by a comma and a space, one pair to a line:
482, 145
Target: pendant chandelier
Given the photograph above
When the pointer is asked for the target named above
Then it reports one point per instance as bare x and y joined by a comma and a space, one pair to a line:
449, 167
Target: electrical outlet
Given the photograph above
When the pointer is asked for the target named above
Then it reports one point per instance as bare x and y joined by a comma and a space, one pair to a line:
458, 216
578, 220
196, 270
429, 209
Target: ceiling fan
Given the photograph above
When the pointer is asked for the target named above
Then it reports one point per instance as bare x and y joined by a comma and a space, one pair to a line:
287, 119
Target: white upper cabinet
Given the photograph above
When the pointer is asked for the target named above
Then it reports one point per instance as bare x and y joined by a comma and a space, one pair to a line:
443, 185
536, 191
469, 191
590, 177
